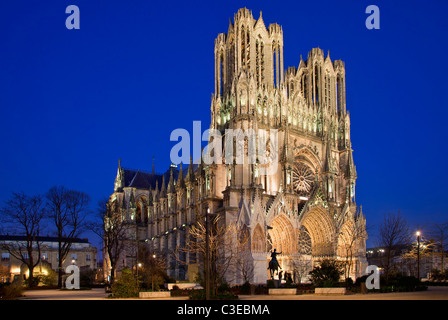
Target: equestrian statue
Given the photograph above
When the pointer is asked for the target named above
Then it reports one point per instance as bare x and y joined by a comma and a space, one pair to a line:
273, 264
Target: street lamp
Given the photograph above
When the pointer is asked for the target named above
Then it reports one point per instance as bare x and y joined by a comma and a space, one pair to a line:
139, 265
418, 255
207, 256
152, 273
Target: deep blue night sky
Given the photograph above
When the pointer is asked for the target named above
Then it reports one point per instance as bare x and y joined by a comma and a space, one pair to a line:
74, 101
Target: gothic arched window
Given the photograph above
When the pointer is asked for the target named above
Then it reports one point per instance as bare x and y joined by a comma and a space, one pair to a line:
258, 241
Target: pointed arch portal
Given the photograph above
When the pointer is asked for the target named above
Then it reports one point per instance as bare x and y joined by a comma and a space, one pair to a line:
321, 229
282, 235
314, 229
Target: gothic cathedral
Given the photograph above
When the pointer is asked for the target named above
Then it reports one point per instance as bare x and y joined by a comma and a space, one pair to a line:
306, 209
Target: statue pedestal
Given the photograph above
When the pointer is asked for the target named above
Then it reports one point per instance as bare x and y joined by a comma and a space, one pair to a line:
277, 283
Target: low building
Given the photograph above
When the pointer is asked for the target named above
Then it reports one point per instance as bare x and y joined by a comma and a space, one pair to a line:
81, 254
404, 260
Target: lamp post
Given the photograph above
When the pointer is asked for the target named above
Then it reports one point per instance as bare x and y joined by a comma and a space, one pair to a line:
418, 255
153, 266
207, 257
139, 265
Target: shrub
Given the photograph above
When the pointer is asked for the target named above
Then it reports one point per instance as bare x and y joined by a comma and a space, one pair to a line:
327, 274
50, 279
403, 283
11, 291
87, 277
245, 288
261, 289
349, 282
126, 286
153, 277
437, 276
197, 294
223, 287
360, 280
289, 284
33, 282
176, 292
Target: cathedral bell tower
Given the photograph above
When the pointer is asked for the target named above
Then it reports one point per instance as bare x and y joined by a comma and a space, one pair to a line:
248, 61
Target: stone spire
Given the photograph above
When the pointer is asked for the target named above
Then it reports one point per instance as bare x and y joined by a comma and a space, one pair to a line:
190, 173
328, 164
171, 182
180, 179
163, 193
119, 180
350, 171
150, 197
156, 194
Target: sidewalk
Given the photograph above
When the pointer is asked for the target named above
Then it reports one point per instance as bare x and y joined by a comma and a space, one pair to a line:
433, 293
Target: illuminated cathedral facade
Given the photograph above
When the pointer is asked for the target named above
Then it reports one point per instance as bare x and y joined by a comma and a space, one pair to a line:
306, 209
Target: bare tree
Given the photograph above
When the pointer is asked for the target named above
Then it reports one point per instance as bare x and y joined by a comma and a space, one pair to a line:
226, 245
419, 250
24, 214
153, 268
68, 210
301, 267
439, 233
244, 263
112, 230
354, 232
393, 232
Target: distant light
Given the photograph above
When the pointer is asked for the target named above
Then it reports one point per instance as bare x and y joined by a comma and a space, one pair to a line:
418, 233
303, 198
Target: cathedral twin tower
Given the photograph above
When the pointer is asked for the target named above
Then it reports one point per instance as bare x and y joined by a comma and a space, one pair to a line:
306, 209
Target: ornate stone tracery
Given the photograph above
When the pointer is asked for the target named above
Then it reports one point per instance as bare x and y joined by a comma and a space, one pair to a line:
303, 179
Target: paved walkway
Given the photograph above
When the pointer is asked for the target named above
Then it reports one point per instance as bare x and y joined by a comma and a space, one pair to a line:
433, 293
94, 294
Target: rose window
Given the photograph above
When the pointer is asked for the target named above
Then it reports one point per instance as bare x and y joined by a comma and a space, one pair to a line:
303, 179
